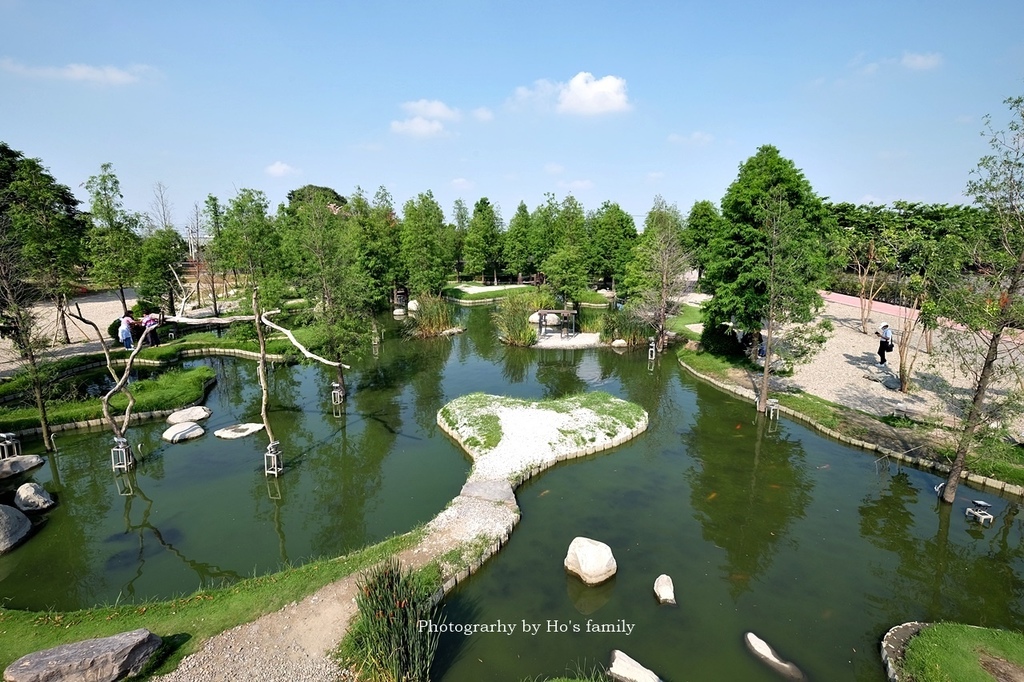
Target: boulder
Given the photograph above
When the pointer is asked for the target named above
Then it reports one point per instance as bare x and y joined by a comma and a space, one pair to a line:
238, 431
183, 431
398, 312
190, 414
14, 526
102, 659
590, 560
624, 669
32, 497
12, 466
552, 320
664, 590
413, 306
452, 331
762, 650
619, 343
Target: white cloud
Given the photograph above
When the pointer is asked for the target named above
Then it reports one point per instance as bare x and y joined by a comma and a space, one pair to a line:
588, 96
280, 169
576, 185
417, 127
583, 95
82, 73
553, 168
431, 109
921, 62
697, 138
654, 176
462, 183
483, 114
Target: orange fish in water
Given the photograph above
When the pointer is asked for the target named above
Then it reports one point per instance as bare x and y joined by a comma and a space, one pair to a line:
738, 426
712, 496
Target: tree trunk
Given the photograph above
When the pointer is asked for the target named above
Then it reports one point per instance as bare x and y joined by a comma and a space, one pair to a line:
762, 401
37, 391
120, 294
262, 369
974, 415
60, 303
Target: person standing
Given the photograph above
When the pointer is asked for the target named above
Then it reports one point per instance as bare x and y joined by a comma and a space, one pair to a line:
124, 331
884, 335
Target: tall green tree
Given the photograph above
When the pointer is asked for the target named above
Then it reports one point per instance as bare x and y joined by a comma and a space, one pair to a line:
425, 245
516, 250
160, 256
702, 223
484, 240
737, 272
613, 234
249, 241
460, 227
113, 239
379, 240
991, 302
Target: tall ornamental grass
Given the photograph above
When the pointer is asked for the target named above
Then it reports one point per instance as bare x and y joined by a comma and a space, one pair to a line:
434, 316
512, 319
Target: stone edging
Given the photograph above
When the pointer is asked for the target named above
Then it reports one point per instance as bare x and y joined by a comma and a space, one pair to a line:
471, 495
894, 644
920, 462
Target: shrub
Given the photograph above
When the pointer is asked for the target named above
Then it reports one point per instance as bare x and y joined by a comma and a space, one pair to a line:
720, 340
433, 317
512, 319
620, 324
241, 331
386, 641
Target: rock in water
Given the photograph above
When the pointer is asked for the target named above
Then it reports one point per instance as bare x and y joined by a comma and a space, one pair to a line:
624, 669
12, 466
761, 649
238, 431
189, 414
591, 560
32, 497
183, 431
14, 526
664, 590
97, 660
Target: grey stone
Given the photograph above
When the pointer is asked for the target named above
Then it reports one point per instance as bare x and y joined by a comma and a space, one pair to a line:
32, 497
762, 650
624, 669
183, 431
891, 383
592, 561
93, 660
12, 466
664, 590
189, 414
238, 431
14, 526
490, 490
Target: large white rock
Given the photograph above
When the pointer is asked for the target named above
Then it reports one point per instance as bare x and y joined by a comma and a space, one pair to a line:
32, 497
183, 431
398, 312
13, 466
189, 414
664, 590
413, 306
619, 343
762, 650
624, 669
13, 527
534, 318
238, 431
592, 561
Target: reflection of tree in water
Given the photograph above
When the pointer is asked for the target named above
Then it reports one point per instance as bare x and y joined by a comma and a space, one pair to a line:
557, 372
206, 572
480, 332
747, 495
516, 363
433, 355
939, 578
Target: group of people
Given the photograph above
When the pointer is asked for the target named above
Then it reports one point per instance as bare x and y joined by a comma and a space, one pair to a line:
126, 332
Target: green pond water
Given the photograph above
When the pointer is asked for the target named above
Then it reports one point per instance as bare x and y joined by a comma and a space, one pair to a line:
764, 527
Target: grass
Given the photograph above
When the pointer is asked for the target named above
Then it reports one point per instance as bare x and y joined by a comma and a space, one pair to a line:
949, 652
688, 314
484, 294
170, 390
186, 622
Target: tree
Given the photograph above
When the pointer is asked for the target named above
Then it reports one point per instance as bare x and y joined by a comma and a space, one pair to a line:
655, 276
311, 241
460, 224
613, 234
378, 240
770, 205
249, 241
160, 253
516, 250
862, 230
702, 224
483, 240
989, 303
113, 241
425, 255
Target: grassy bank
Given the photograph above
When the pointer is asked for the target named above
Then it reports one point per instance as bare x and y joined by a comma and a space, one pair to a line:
186, 622
481, 292
950, 652
170, 390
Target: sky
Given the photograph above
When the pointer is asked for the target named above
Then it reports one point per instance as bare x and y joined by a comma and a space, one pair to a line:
875, 101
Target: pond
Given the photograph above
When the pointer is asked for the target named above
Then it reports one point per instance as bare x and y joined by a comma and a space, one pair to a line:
764, 527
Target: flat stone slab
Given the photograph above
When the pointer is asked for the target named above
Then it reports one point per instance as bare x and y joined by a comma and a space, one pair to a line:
491, 490
622, 668
238, 431
12, 466
14, 526
98, 660
182, 432
190, 414
32, 497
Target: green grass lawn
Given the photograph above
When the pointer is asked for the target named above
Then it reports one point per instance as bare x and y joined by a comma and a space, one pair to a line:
950, 652
688, 314
483, 293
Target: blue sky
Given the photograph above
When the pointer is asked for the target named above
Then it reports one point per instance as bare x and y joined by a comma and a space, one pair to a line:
874, 101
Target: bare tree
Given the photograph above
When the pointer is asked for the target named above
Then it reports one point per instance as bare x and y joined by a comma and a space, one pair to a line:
161, 209
661, 264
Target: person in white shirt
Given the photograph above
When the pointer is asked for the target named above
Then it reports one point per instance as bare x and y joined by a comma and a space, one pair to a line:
884, 335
